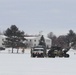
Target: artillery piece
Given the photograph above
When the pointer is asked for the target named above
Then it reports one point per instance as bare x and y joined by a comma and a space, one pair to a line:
56, 51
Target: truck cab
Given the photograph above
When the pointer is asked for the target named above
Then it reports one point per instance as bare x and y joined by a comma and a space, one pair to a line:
37, 51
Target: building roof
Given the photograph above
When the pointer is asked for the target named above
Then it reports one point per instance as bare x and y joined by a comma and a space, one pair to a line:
3, 36
30, 37
37, 37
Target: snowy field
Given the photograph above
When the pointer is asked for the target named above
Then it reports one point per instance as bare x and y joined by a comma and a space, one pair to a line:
23, 64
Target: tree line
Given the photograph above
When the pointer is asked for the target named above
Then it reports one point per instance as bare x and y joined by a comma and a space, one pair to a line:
15, 39
63, 40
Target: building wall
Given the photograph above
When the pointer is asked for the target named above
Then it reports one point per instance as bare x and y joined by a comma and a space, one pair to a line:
48, 42
35, 41
1, 41
29, 42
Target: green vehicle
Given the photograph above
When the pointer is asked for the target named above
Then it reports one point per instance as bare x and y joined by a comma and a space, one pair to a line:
56, 51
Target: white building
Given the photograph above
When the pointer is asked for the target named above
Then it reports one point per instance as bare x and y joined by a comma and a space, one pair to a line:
34, 41
2, 38
31, 41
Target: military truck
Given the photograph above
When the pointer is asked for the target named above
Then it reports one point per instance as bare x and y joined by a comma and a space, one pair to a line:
38, 51
56, 51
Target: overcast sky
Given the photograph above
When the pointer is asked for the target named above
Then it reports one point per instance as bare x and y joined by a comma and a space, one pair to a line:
32, 16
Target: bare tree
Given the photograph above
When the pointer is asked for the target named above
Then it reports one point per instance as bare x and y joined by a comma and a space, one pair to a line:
53, 38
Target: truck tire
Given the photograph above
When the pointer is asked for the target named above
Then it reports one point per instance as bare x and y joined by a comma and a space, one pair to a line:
33, 55
51, 56
66, 55
60, 55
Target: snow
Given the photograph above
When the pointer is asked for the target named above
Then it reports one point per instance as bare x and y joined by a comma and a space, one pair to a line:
23, 64
30, 37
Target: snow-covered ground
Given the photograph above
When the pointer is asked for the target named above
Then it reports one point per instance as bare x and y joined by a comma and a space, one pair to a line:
23, 64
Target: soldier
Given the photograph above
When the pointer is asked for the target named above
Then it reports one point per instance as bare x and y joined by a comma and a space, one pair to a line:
23, 50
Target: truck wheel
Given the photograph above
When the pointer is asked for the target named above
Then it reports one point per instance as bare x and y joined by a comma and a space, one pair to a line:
42, 55
51, 56
60, 55
33, 55
66, 55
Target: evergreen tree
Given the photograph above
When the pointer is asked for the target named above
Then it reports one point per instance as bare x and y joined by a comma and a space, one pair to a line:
70, 37
42, 41
15, 38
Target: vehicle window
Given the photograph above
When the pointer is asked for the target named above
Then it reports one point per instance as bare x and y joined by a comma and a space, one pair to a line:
35, 40
38, 49
35, 49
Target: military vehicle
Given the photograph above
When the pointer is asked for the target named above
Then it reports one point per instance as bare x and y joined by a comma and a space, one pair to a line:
38, 51
56, 51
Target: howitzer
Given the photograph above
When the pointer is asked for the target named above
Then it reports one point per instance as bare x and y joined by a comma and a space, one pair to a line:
56, 51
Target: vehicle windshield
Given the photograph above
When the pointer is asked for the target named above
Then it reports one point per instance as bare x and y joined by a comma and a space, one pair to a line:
38, 49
